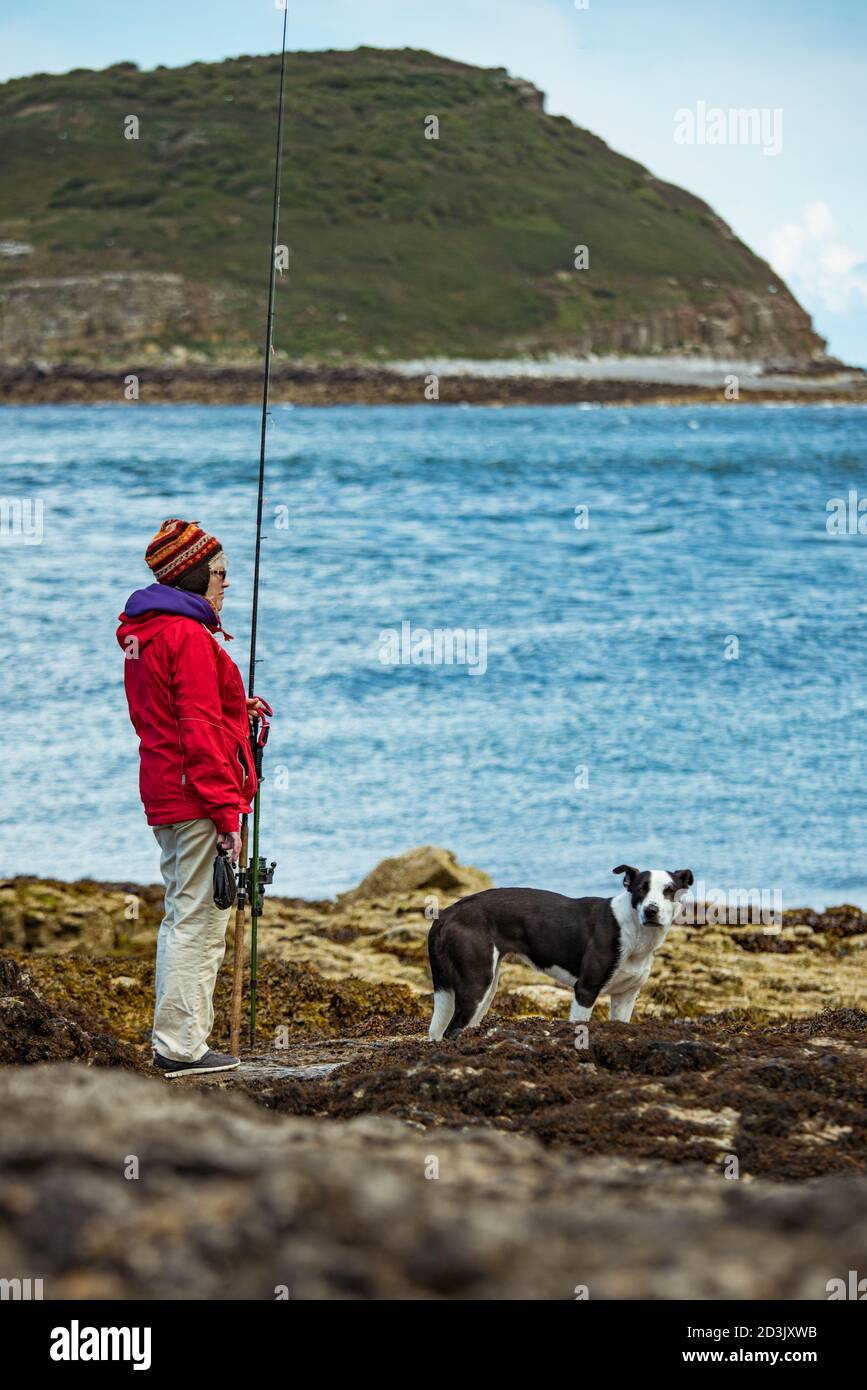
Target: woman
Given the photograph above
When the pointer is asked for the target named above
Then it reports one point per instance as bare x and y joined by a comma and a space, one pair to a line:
197, 775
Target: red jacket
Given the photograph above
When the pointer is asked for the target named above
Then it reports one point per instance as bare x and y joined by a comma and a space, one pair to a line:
188, 706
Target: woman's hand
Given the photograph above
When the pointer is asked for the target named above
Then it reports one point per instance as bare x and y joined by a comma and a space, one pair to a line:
230, 841
254, 707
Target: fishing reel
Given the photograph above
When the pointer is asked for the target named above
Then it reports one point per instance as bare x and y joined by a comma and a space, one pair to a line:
265, 873
264, 876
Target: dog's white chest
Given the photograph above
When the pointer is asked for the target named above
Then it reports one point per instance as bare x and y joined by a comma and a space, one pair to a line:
630, 975
638, 946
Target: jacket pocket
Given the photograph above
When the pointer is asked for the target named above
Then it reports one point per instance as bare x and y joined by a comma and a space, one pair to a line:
242, 759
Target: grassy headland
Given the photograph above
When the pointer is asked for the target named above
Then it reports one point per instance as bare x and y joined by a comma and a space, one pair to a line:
400, 246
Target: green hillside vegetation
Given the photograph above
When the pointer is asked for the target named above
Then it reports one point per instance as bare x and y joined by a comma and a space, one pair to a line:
400, 245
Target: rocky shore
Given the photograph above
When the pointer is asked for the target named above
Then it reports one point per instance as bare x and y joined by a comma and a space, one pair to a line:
165, 383
349, 1157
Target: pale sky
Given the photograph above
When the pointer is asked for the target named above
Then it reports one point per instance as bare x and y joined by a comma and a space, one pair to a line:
621, 69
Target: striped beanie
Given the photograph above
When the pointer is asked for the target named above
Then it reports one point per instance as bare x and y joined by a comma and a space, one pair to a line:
177, 548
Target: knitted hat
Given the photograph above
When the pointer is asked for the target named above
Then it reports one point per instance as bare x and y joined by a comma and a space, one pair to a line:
178, 547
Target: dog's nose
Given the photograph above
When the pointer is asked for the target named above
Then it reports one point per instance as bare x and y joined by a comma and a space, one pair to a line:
651, 913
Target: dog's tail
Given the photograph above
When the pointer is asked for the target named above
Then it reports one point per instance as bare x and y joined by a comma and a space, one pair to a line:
444, 992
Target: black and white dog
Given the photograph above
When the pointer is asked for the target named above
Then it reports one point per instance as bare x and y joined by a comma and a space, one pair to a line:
595, 945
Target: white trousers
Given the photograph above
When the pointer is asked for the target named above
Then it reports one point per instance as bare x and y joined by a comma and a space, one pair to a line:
191, 942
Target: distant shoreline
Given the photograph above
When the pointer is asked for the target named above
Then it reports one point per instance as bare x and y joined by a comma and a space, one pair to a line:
512, 383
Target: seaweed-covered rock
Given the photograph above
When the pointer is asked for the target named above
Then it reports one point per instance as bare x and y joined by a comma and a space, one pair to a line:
291, 996
788, 1103
32, 1031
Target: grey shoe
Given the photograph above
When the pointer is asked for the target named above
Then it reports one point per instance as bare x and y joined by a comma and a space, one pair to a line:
212, 1061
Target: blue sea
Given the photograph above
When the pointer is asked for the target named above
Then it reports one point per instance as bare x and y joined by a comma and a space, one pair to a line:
672, 675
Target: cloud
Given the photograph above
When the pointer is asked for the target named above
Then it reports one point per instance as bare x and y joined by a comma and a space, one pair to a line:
811, 257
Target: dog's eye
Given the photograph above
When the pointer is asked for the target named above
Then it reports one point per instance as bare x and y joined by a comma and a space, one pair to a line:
668, 892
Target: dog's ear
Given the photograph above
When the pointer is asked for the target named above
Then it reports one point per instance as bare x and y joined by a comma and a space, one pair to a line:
682, 879
631, 874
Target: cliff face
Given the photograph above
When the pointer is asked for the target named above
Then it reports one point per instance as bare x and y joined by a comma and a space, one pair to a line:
99, 318
429, 208
732, 323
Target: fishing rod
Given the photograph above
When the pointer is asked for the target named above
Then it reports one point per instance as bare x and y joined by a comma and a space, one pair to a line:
254, 874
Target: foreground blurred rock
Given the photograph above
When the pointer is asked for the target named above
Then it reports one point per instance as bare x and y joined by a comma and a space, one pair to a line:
228, 1201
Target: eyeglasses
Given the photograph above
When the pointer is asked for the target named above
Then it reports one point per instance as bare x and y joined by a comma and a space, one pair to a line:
219, 574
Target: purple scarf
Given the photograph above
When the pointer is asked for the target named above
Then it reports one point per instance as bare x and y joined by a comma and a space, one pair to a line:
162, 598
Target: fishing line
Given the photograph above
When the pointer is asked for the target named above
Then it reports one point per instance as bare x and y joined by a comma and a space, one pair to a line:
254, 874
